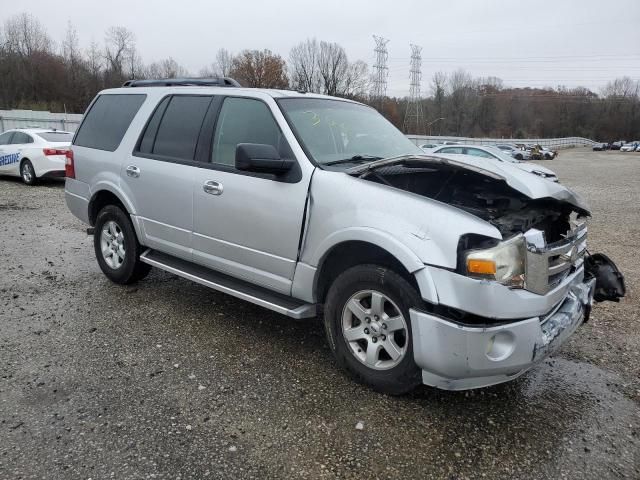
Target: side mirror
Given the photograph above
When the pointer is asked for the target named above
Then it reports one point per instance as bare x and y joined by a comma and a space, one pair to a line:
261, 158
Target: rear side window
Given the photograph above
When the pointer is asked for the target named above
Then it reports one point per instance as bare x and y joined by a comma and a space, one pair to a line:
454, 150
478, 153
107, 121
175, 126
20, 138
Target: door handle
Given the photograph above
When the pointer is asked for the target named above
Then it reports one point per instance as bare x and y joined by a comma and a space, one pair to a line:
212, 188
133, 171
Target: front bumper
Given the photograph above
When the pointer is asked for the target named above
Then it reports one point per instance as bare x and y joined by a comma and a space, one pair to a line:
454, 356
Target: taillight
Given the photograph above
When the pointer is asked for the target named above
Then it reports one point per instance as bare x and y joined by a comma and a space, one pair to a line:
69, 168
54, 151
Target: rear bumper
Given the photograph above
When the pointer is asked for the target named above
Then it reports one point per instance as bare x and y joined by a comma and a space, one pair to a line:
76, 196
49, 166
454, 356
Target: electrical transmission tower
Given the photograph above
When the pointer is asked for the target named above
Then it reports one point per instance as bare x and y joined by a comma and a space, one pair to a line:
380, 73
413, 119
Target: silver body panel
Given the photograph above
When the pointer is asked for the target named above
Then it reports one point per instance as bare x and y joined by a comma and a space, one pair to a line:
458, 357
276, 235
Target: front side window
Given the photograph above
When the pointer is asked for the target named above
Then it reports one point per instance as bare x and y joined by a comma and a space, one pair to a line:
245, 120
5, 138
334, 130
107, 121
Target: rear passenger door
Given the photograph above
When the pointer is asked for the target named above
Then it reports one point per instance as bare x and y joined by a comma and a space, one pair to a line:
160, 172
249, 226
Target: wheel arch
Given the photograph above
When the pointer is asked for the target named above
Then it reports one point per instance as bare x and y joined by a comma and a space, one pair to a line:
103, 197
351, 252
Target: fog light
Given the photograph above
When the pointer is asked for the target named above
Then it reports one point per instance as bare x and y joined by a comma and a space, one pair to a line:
500, 346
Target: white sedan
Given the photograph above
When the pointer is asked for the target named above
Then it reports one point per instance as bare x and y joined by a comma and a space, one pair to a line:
33, 153
495, 154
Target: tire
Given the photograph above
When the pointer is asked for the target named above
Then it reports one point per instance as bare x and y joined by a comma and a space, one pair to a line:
391, 376
114, 233
27, 173
547, 156
518, 157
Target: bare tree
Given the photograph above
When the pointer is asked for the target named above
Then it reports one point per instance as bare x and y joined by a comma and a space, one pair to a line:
333, 66
224, 62
356, 80
304, 67
167, 68
119, 46
260, 68
25, 35
221, 67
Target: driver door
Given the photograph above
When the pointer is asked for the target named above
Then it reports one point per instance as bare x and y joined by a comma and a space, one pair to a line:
249, 225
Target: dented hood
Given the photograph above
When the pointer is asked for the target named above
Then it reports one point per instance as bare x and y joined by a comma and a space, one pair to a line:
532, 186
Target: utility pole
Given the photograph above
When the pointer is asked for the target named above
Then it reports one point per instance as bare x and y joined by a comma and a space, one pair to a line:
413, 119
380, 73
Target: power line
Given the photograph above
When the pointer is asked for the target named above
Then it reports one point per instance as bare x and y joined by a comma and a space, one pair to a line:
413, 121
380, 72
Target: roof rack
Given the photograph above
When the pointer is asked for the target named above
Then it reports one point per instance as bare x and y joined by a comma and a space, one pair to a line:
184, 82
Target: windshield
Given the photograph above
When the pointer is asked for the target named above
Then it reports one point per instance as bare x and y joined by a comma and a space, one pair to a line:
332, 131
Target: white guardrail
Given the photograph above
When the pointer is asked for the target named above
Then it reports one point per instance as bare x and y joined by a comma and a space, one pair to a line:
565, 142
39, 119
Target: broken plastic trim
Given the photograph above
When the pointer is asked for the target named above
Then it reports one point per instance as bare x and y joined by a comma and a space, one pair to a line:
609, 280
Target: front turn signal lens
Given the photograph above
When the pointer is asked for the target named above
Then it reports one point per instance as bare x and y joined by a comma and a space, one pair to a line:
481, 267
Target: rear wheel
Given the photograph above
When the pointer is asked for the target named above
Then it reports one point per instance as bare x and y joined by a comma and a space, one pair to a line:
27, 173
368, 328
117, 248
519, 156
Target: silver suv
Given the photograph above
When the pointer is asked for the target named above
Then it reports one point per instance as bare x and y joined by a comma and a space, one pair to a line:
426, 269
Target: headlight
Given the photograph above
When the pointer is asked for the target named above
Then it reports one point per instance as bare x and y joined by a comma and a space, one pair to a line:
503, 263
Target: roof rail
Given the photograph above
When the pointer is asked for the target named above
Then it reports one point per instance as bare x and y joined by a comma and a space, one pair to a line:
184, 82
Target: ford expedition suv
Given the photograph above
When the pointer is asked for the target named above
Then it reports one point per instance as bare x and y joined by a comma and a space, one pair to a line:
426, 269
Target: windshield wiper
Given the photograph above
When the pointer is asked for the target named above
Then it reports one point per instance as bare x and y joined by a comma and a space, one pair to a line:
354, 159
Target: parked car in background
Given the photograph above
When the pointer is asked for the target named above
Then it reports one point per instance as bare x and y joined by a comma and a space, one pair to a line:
638, 148
538, 152
427, 147
495, 154
32, 153
600, 147
629, 147
515, 152
617, 145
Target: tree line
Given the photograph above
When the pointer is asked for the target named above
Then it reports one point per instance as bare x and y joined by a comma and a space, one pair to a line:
38, 73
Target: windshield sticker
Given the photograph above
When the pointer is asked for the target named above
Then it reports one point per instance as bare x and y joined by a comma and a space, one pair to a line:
9, 159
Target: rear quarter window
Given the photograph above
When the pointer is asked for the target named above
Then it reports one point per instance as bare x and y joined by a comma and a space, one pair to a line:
107, 121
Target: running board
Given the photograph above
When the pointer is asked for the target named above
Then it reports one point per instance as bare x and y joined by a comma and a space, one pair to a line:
277, 302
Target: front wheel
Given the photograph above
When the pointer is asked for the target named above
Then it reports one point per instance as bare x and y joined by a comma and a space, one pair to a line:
366, 317
117, 248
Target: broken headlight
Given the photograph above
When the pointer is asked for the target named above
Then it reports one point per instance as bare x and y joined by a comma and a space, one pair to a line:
503, 263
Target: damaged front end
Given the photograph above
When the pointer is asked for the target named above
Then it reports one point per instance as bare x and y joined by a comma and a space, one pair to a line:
511, 302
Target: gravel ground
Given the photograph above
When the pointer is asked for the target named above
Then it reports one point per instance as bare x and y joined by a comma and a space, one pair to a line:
167, 379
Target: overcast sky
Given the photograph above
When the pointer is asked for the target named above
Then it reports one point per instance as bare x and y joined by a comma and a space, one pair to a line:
534, 43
